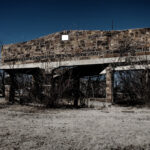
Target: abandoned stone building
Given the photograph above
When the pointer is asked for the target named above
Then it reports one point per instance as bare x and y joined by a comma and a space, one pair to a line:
82, 52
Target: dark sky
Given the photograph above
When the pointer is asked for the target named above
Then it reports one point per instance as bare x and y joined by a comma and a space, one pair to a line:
22, 20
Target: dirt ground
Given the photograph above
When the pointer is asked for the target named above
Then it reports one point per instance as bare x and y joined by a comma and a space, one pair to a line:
111, 128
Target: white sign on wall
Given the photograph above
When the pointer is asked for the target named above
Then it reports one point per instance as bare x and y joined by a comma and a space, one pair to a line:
64, 37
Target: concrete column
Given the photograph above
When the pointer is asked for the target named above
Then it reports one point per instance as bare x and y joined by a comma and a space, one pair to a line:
109, 84
147, 95
53, 95
10, 89
76, 92
147, 77
3, 84
37, 82
7, 92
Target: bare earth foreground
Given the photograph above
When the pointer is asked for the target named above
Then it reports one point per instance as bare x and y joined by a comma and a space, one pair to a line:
26, 127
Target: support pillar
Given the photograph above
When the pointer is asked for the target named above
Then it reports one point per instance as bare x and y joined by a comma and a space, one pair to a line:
7, 92
37, 80
77, 90
109, 84
53, 95
3, 84
147, 95
10, 89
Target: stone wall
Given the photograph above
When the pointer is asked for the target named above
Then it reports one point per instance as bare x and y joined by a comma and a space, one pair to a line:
81, 45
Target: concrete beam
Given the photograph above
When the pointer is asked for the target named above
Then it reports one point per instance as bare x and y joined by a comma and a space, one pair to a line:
76, 62
129, 67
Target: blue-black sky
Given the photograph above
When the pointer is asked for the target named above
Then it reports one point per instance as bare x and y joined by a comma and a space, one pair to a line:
22, 20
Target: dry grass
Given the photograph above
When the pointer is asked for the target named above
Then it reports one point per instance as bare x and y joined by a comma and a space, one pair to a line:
25, 127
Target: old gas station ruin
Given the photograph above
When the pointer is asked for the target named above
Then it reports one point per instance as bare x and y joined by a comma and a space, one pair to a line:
73, 55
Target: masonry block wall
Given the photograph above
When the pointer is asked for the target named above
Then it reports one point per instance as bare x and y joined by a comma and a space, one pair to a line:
81, 45
109, 84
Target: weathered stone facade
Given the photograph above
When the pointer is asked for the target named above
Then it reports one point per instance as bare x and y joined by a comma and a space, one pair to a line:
81, 45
